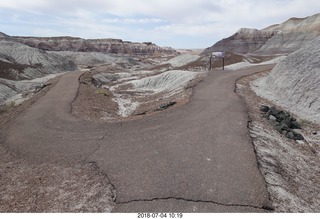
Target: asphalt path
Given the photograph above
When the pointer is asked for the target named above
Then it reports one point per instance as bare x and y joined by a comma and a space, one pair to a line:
195, 158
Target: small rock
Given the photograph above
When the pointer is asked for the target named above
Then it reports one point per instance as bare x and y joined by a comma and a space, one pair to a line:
287, 114
278, 128
299, 137
284, 127
167, 105
142, 113
273, 111
284, 132
281, 116
295, 125
290, 135
272, 118
264, 109
287, 121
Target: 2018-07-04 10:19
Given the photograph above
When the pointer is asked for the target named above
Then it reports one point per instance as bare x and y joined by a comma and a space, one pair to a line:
160, 215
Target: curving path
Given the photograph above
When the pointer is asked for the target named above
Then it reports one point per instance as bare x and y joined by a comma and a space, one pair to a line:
196, 158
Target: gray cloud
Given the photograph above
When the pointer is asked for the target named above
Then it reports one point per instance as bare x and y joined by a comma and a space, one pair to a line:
160, 20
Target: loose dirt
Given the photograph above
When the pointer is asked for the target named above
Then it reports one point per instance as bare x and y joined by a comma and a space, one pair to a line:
290, 168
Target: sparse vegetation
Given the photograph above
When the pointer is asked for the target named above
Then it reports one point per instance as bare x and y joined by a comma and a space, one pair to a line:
103, 92
3, 108
304, 122
12, 104
6, 107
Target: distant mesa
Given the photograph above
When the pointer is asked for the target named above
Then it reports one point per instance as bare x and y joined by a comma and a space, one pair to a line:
278, 39
76, 44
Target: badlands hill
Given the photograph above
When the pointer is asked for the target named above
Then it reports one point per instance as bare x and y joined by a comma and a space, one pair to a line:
110, 46
282, 38
28, 58
295, 82
19, 61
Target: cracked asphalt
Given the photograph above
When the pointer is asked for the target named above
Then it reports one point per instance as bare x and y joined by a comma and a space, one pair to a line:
195, 158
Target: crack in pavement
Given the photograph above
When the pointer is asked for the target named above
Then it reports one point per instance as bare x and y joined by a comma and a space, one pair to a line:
268, 208
265, 208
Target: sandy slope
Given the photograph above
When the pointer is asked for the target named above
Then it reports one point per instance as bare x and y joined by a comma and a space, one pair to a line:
295, 83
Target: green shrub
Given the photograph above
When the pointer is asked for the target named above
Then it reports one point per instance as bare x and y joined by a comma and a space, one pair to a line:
12, 104
3, 109
304, 122
103, 92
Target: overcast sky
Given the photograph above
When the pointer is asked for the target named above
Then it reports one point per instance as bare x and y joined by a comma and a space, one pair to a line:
175, 23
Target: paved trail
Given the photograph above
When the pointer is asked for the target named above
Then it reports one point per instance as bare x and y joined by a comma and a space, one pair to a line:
198, 157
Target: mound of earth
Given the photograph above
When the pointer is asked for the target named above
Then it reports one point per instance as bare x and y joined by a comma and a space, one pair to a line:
109, 94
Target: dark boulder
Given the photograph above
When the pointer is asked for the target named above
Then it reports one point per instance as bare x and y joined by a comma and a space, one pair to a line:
299, 137
273, 111
287, 121
284, 132
290, 135
281, 116
272, 118
264, 109
166, 105
295, 125
281, 127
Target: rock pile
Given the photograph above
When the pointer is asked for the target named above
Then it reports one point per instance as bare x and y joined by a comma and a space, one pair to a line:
283, 122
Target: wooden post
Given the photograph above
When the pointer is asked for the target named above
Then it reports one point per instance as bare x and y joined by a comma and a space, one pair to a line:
223, 63
210, 67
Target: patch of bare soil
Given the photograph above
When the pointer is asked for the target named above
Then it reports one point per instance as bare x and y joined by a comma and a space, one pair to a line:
291, 168
52, 188
156, 103
8, 68
26, 187
97, 104
91, 102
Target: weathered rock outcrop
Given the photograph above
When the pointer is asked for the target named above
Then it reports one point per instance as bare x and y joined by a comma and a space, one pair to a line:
292, 35
96, 58
3, 36
244, 41
282, 38
19, 61
111, 46
294, 83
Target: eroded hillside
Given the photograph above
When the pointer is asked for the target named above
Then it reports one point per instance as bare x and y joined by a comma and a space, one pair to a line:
283, 38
